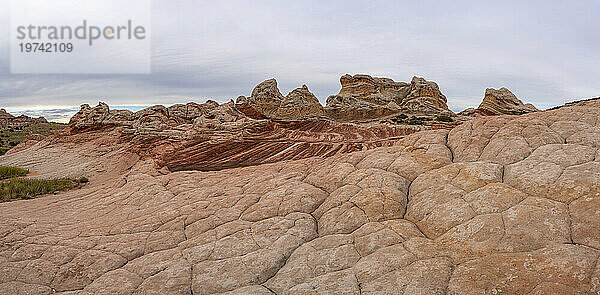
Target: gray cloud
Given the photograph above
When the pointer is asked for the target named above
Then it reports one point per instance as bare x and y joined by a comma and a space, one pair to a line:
545, 51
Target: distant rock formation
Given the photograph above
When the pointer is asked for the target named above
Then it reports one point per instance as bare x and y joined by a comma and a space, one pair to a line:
576, 103
98, 116
365, 97
5, 115
362, 97
500, 102
300, 103
152, 121
269, 127
267, 100
212, 136
9, 121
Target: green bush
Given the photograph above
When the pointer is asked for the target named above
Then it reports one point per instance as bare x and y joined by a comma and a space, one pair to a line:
445, 118
10, 172
399, 118
3, 150
417, 120
10, 137
83, 179
22, 188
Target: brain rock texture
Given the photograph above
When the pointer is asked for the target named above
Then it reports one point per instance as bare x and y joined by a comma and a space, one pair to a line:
498, 205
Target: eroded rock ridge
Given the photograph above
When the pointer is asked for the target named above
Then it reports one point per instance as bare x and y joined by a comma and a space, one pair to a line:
500, 102
214, 136
9, 121
361, 98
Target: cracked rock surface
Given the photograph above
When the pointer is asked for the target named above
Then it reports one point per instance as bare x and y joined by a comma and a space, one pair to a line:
498, 205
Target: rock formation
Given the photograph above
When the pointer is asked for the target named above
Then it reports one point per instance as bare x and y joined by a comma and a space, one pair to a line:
5, 115
299, 104
267, 100
361, 98
9, 121
365, 97
499, 204
211, 136
500, 102
577, 103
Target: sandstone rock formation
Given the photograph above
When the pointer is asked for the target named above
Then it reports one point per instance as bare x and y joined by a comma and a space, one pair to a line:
577, 103
298, 104
155, 120
210, 136
498, 205
500, 102
361, 98
9, 121
5, 115
365, 97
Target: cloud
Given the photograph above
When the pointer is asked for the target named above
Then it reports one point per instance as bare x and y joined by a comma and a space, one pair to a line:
219, 50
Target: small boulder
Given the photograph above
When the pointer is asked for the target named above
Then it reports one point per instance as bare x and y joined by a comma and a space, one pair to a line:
503, 101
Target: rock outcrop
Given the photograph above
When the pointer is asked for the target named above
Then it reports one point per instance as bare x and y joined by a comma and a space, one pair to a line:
9, 121
500, 102
214, 136
500, 204
266, 98
361, 98
101, 115
577, 103
365, 97
5, 115
299, 104
268, 101
157, 120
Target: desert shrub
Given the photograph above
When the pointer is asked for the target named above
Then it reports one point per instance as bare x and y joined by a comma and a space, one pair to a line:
22, 188
445, 118
10, 172
399, 118
83, 179
11, 137
417, 120
3, 150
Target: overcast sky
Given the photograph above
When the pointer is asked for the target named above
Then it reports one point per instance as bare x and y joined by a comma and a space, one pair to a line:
546, 52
